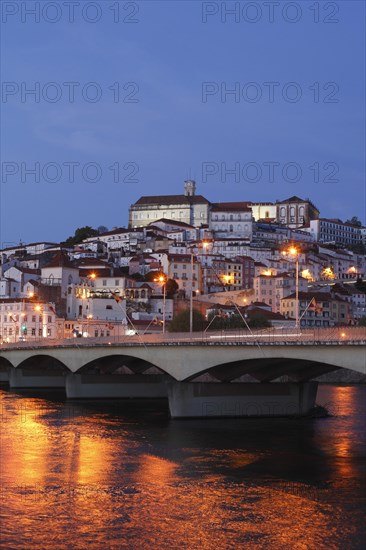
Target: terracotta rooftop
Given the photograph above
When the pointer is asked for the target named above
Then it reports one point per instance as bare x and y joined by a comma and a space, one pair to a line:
171, 199
172, 222
230, 207
60, 259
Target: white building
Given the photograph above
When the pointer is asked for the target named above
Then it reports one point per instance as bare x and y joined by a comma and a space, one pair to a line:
296, 212
335, 231
180, 269
271, 289
265, 211
22, 320
189, 208
60, 272
231, 219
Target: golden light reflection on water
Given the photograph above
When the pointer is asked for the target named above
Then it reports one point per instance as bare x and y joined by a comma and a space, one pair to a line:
94, 480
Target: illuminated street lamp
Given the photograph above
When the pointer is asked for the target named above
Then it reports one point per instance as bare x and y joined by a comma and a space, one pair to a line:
204, 245
293, 252
227, 279
162, 279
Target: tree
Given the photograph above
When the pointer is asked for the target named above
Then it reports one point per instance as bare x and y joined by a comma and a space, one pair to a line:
362, 322
180, 322
171, 288
152, 275
355, 221
259, 321
102, 229
81, 234
360, 285
225, 322
171, 285
236, 321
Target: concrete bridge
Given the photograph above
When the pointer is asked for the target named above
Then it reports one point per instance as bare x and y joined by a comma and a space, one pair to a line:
220, 374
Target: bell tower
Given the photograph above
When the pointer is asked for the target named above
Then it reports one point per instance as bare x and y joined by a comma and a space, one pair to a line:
189, 188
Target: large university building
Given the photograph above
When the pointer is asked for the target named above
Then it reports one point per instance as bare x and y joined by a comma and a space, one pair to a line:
188, 208
229, 217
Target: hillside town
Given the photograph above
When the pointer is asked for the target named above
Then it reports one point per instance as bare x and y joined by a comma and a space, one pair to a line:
279, 263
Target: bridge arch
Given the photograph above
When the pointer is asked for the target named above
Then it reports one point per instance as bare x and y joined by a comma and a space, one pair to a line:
266, 369
120, 364
5, 364
44, 362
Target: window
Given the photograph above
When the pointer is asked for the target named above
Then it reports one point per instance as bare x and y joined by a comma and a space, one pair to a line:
108, 307
116, 282
104, 282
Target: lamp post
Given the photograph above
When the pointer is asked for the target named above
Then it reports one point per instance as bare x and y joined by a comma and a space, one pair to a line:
191, 297
162, 279
294, 253
204, 245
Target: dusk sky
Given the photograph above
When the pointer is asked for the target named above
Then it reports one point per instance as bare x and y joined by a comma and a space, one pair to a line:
167, 125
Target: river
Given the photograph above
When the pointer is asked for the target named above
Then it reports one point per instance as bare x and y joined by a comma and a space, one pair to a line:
117, 475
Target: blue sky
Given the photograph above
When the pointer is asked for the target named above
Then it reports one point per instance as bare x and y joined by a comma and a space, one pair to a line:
167, 132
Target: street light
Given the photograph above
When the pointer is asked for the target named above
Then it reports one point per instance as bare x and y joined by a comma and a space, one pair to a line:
162, 279
294, 252
205, 245
227, 280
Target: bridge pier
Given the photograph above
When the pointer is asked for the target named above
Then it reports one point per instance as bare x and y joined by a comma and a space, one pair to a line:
85, 386
36, 378
4, 375
210, 399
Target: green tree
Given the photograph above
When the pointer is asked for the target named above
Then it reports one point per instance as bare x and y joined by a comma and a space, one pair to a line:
81, 234
360, 285
224, 323
236, 321
355, 221
171, 287
180, 322
151, 276
362, 322
259, 321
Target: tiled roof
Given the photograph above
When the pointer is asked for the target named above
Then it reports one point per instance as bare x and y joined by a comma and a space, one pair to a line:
60, 259
292, 199
171, 199
172, 222
230, 207
319, 296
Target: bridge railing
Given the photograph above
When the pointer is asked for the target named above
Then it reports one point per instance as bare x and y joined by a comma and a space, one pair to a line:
268, 336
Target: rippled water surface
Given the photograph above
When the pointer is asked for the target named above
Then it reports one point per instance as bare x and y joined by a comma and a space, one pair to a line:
115, 474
